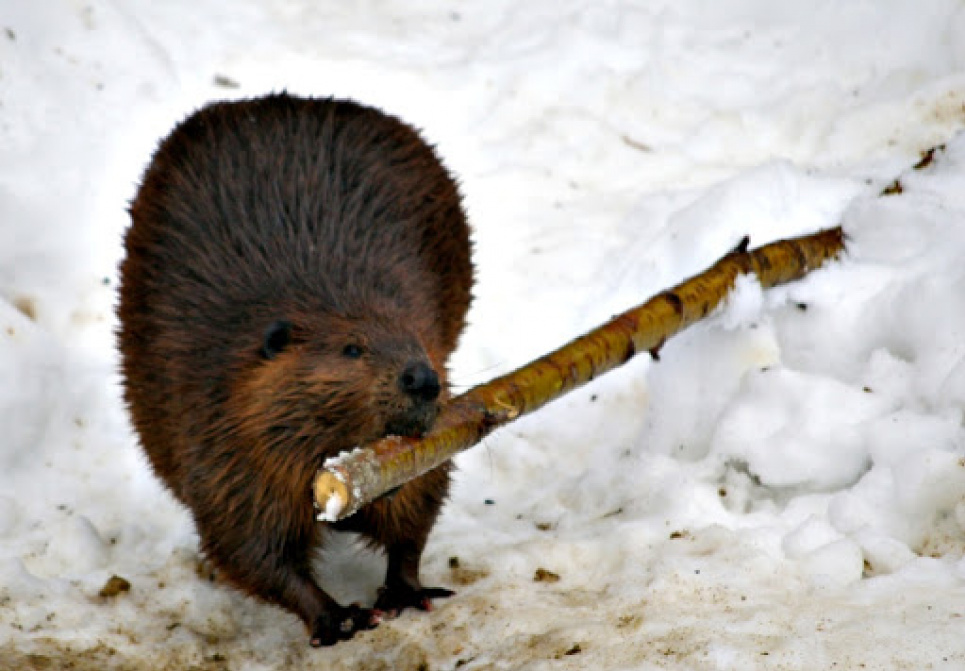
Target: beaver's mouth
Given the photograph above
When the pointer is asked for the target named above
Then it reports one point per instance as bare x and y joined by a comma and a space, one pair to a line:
414, 422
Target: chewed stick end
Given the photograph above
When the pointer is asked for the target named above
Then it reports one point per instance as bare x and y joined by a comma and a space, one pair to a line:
332, 496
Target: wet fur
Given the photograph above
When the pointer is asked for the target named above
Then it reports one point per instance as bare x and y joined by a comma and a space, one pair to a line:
341, 221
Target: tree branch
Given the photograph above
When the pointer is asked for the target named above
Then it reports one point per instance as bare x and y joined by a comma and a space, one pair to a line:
355, 478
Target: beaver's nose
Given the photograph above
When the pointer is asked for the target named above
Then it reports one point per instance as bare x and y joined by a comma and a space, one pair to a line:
419, 380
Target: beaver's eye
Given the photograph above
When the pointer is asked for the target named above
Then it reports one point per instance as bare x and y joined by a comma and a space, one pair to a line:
352, 351
277, 337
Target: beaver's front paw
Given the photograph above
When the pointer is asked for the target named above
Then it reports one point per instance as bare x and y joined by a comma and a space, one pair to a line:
341, 624
395, 598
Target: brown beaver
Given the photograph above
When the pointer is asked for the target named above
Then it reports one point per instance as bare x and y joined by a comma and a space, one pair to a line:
297, 273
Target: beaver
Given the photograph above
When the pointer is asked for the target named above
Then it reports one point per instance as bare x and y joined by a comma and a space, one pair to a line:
297, 273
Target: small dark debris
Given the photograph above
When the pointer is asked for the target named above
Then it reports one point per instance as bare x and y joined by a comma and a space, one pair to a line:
593, 398
545, 526
866, 390
675, 535
218, 657
613, 513
114, 586
627, 620
575, 650
460, 575
106, 281
173, 626
696, 571
489, 502
226, 82
12, 36
635, 144
544, 575
27, 306
927, 157
803, 307
722, 492
453, 562
893, 189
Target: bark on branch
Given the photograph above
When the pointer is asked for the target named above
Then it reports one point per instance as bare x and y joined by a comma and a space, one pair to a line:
355, 478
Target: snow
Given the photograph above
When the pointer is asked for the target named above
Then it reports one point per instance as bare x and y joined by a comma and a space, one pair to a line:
785, 489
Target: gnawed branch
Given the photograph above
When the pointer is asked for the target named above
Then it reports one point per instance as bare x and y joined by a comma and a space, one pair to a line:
355, 478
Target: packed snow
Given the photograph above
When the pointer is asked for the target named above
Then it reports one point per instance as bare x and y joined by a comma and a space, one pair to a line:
784, 489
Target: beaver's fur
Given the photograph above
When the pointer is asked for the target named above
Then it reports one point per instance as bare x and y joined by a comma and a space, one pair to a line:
297, 273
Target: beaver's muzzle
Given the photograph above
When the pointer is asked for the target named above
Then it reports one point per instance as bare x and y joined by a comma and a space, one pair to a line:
420, 384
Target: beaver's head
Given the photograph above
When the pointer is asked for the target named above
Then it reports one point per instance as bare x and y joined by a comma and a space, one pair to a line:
331, 382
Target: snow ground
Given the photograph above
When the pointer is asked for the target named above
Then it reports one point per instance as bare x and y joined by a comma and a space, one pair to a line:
784, 490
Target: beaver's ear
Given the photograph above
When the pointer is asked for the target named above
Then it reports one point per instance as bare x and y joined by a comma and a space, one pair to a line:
277, 337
